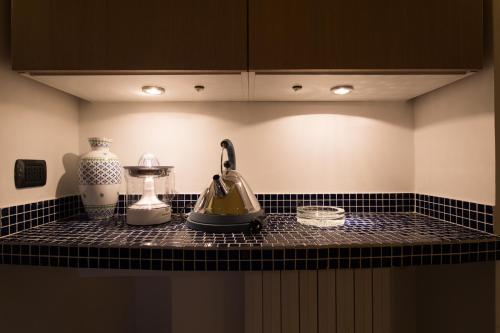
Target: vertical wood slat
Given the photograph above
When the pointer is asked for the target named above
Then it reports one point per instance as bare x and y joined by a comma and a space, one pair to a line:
271, 302
325, 301
382, 300
345, 300
327, 312
403, 300
363, 300
497, 264
290, 302
253, 302
308, 296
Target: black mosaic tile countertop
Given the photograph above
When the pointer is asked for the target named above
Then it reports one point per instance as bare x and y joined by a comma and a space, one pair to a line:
366, 240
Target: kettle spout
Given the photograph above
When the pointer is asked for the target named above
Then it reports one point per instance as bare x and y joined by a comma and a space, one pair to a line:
220, 187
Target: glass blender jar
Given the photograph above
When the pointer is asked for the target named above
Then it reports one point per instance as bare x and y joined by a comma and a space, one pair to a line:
150, 190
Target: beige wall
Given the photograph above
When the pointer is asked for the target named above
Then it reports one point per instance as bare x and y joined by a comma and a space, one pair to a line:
455, 133
37, 122
280, 147
495, 9
455, 140
447, 149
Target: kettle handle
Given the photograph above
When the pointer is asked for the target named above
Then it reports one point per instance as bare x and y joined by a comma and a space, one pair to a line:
231, 162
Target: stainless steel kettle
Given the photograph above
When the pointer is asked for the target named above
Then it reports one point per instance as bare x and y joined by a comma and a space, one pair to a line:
228, 204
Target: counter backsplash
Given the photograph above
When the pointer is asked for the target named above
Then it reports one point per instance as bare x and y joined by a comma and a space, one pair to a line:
468, 214
21, 217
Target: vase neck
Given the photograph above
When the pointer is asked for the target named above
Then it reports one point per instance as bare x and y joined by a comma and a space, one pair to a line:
100, 149
99, 144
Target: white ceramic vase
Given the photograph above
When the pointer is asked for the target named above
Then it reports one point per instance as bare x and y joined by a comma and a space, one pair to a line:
99, 176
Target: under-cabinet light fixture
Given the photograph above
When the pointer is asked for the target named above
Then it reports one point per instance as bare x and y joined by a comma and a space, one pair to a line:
342, 90
153, 90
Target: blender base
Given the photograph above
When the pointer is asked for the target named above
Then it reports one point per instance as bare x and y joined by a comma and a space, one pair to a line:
148, 216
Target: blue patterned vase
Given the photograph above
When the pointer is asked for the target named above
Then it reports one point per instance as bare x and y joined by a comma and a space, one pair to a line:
99, 176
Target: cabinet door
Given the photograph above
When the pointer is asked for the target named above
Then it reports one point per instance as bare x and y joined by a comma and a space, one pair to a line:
365, 35
129, 35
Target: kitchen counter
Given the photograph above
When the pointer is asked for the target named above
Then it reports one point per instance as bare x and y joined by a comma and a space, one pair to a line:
366, 240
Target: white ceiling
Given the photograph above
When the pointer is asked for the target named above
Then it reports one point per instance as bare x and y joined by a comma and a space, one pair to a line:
247, 86
127, 88
366, 87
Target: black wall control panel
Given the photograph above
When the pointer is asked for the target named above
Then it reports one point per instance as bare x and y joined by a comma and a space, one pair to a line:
30, 173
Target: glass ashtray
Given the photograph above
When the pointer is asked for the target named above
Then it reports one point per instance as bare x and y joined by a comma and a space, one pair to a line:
321, 216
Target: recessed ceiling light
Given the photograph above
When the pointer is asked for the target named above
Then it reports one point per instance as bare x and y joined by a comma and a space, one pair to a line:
153, 90
342, 90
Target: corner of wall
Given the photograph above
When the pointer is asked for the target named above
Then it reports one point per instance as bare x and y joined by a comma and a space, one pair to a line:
38, 122
496, 61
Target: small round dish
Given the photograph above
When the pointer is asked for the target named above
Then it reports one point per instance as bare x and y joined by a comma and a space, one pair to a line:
321, 216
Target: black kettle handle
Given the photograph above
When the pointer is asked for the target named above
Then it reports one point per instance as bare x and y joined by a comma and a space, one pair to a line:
231, 162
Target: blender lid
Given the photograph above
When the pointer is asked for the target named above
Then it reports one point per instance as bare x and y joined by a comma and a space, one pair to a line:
148, 166
158, 171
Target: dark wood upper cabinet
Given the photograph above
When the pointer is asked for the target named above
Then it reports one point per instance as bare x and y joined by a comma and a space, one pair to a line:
365, 35
129, 35
359, 36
